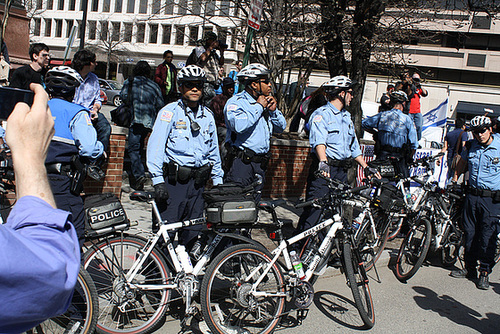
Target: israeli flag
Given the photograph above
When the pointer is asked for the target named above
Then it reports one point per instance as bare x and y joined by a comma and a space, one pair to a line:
434, 122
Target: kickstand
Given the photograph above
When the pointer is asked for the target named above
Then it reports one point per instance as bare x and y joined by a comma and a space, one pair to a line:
301, 315
377, 279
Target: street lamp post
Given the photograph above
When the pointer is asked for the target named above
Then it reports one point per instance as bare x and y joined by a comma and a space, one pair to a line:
84, 24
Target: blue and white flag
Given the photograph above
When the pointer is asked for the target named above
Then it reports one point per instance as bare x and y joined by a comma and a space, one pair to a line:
434, 122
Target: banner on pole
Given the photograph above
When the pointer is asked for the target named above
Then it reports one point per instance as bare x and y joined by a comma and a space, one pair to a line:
434, 122
255, 14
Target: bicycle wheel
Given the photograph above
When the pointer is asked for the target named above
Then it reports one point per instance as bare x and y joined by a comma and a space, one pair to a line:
371, 246
227, 302
395, 225
413, 250
497, 250
81, 316
358, 282
123, 307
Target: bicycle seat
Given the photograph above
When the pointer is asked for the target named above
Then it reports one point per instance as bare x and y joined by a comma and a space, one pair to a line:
142, 196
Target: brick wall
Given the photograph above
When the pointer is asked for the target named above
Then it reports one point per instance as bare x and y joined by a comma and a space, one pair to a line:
286, 174
114, 168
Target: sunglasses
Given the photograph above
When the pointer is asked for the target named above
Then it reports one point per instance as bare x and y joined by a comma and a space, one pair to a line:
479, 131
266, 81
191, 85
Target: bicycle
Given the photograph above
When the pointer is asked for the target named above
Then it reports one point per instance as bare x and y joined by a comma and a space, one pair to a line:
135, 279
81, 316
245, 286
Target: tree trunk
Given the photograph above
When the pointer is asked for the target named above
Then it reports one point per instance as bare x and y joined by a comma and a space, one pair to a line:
331, 27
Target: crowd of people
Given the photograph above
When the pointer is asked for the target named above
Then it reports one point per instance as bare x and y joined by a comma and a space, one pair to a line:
182, 134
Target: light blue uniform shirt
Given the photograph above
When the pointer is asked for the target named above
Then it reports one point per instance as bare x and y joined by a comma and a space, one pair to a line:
244, 116
173, 140
484, 164
335, 130
394, 128
40, 260
89, 92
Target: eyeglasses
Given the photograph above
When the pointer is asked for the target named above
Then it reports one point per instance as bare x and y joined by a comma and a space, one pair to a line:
192, 84
45, 55
266, 81
479, 131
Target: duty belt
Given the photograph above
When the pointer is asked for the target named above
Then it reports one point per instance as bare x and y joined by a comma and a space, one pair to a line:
58, 168
346, 163
247, 155
178, 173
390, 149
483, 192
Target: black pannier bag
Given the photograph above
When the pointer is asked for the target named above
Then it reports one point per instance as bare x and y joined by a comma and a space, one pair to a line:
104, 214
385, 167
230, 204
390, 198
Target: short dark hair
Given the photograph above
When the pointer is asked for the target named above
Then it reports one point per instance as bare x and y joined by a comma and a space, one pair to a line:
167, 52
82, 58
142, 68
459, 123
36, 48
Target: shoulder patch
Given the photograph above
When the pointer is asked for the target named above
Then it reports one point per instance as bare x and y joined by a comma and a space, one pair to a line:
166, 116
232, 107
87, 118
317, 119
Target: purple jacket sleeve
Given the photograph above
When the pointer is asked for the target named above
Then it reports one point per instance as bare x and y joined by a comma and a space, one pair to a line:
39, 264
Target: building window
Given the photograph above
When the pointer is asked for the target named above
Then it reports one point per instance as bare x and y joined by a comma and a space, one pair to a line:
104, 30
481, 22
224, 8
167, 31
128, 33
207, 29
81, 5
72, 4
196, 7
141, 31
39, 4
37, 22
79, 34
50, 4
476, 60
193, 35
95, 5
210, 8
130, 6
92, 29
169, 7
69, 26
181, 7
155, 7
153, 33
222, 33
143, 6
118, 6
106, 6
58, 28
60, 5
48, 27
179, 35
116, 31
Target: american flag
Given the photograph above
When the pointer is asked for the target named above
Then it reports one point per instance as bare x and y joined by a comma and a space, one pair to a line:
368, 154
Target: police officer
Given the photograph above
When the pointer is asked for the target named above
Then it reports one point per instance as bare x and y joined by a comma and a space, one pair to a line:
397, 137
481, 157
334, 145
251, 118
183, 153
74, 144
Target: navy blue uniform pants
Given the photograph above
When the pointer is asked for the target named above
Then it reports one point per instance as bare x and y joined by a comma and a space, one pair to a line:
185, 202
481, 225
67, 201
244, 174
317, 188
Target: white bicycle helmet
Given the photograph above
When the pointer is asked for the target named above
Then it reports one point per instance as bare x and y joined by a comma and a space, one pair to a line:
191, 73
337, 84
62, 80
398, 96
480, 122
253, 72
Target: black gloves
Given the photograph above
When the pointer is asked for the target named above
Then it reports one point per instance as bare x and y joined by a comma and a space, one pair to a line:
370, 171
161, 192
323, 167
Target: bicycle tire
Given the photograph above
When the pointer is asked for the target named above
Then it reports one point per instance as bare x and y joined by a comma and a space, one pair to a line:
371, 248
106, 262
497, 249
81, 316
395, 227
225, 298
413, 250
358, 283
